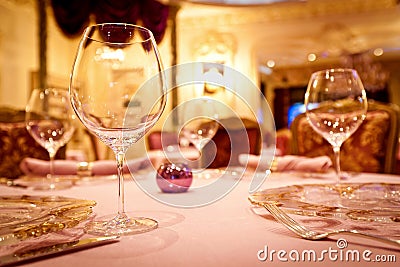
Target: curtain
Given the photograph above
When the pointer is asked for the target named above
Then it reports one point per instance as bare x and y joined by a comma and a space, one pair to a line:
72, 16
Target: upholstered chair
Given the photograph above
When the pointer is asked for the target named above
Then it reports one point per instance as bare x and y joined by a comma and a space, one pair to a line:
16, 143
372, 148
159, 139
230, 141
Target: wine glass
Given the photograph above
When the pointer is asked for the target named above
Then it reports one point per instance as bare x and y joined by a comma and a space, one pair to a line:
118, 91
336, 105
199, 121
49, 120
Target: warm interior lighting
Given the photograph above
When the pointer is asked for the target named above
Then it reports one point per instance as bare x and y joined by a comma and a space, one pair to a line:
311, 57
214, 80
216, 50
215, 47
378, 52
114, 56
271, 63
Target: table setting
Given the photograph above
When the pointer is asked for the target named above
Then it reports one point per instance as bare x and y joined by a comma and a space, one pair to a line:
210, 234
166, 207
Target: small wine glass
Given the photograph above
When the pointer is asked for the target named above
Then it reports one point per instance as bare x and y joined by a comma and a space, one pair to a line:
49, 120
118, 91
199, 122
336, 105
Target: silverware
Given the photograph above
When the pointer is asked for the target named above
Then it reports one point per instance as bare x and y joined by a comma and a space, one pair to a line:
55, 249
309, 234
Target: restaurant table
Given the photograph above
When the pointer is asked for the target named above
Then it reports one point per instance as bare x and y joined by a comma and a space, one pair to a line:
227, 232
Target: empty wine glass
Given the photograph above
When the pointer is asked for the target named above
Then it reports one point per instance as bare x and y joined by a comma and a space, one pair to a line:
49, 120
199, 122
336, 105
118, 91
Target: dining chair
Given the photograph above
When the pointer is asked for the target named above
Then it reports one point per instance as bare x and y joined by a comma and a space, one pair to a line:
230, 143
283, 139
16, 143
158, 139
372, 148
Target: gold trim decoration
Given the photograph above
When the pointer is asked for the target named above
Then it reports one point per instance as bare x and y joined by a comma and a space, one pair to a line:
33, 216
361, 202
84, 169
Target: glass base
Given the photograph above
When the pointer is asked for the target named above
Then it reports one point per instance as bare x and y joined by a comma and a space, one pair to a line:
120, 224
348, 175
206, 173
47, 185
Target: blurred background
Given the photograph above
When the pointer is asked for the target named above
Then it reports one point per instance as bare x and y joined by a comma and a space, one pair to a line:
276, 44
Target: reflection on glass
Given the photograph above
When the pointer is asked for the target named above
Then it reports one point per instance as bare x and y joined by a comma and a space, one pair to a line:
336, 105
118, 92
49, 120
199, 122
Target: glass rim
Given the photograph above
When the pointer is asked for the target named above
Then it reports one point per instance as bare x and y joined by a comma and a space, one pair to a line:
48, 88
335, 70
89, 28
51, 90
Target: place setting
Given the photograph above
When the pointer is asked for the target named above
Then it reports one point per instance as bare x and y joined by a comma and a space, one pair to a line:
38, 225
336, 105
210, 133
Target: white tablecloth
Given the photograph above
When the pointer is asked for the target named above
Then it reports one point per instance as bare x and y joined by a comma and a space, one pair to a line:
225, 233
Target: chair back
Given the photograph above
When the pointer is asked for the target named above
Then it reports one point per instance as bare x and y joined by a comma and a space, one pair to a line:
159, 139
236, 137
372, 148
16, 143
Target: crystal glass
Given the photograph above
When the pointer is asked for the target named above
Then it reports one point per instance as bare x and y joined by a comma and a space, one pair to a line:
118, 91
49, 120
199, 123
336, 105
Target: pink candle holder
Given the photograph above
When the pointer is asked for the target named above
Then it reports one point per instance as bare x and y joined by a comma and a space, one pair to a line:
174, 177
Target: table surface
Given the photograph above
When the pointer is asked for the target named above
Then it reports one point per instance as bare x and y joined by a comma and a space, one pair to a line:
225, 233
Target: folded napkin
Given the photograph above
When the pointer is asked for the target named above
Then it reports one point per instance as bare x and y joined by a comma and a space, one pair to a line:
32, 166
298, 163
288, 163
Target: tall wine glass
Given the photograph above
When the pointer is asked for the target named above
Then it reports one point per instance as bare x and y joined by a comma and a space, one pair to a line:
199, 122
336, 105
118, 91
49, 120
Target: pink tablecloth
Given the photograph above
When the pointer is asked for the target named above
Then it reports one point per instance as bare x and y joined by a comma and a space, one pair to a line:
225, 233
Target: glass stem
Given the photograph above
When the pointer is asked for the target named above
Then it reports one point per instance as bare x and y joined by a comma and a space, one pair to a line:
51, 173
120, 168
50, 176
336, 153
200, 161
